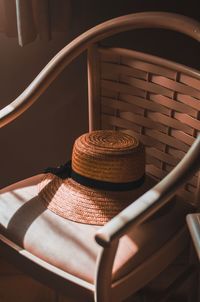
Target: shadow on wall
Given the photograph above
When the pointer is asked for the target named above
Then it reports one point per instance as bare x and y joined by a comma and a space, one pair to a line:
43, 136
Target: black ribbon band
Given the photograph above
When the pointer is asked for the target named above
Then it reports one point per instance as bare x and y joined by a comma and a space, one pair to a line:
105, 185
65, 171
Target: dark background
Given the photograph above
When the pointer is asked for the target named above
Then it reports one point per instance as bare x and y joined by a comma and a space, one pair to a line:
44, 135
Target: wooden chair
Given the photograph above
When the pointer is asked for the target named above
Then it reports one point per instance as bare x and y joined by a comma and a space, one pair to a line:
141, 94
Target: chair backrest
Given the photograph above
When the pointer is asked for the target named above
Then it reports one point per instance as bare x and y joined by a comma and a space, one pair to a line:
151, 98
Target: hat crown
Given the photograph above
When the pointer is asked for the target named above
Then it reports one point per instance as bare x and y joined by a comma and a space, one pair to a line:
109, 155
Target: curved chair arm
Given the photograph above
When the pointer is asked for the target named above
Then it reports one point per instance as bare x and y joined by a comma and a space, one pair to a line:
68, 53
152, 200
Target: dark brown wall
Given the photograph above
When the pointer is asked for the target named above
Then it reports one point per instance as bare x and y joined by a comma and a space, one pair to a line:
43, 136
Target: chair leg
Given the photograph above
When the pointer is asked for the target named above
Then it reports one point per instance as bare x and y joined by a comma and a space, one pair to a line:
193, 292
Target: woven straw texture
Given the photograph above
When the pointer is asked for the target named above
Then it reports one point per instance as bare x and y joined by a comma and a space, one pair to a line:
108, 156
155, 100
102, 155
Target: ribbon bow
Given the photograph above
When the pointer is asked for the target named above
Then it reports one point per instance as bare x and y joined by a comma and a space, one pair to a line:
62, 171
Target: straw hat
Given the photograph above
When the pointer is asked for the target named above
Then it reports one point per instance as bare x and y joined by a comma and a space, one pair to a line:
105, 175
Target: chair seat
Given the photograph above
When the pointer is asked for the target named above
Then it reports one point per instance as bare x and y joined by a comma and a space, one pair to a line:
71, 246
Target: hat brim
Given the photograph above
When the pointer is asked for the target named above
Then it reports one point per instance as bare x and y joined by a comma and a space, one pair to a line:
82, 204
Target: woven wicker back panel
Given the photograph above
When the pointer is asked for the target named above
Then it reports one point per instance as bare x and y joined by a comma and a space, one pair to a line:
155, 100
